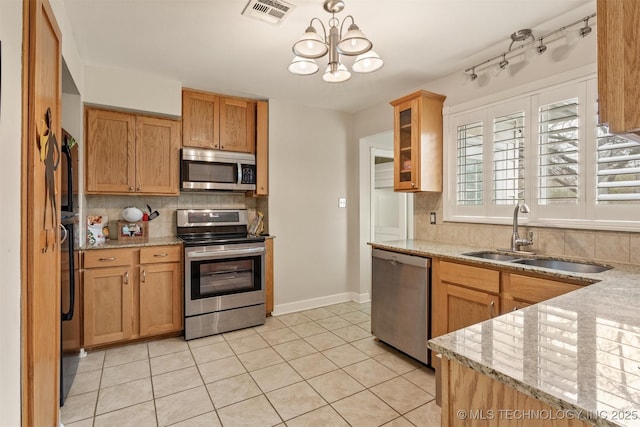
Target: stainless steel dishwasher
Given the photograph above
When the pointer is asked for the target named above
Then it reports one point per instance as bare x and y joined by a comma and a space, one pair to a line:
400, 302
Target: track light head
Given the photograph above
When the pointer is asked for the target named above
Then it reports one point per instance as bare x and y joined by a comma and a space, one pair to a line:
503, 64
542, 48
586, 30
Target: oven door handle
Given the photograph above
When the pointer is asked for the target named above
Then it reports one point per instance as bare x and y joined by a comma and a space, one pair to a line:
225, 253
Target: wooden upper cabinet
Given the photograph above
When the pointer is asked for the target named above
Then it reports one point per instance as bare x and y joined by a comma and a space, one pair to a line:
218, 122
157, 155
128, 153
200, 124
262, 148
417, 139
237, 125
619, 65
110, 151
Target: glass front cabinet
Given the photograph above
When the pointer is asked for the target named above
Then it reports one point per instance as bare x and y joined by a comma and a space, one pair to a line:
417, 138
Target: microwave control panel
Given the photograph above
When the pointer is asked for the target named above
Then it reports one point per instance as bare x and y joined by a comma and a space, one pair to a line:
248, 174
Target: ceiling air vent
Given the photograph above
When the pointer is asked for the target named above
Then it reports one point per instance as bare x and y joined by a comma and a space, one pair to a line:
272, 11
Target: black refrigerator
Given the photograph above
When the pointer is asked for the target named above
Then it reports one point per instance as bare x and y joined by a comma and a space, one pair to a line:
69, 317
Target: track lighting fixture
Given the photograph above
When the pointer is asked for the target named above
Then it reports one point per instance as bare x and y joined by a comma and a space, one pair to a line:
586, 30
522, 36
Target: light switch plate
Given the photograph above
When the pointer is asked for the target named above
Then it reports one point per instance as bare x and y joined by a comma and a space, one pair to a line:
342, 202
432, 217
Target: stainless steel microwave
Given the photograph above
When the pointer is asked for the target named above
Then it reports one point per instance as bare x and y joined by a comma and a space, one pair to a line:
202, 169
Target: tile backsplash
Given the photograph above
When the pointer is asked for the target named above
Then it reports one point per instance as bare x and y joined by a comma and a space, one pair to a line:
165, 223
603, 246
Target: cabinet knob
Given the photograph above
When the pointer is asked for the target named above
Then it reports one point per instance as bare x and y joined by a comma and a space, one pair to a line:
413, 184
126, 278
131, 188
144, 276
139, 188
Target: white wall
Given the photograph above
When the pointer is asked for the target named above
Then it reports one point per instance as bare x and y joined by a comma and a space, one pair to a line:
132, 90
10, 142
307, 175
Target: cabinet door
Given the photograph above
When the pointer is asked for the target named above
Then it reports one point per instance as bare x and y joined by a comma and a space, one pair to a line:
237, 125
262, 148
618, 71
466, 307
157, 155
200, 125
520, 290
107, 299
110, 146
160, 298
406, 146
417, 139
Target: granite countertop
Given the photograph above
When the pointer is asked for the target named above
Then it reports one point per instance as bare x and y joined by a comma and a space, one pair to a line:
152, 241
579, 351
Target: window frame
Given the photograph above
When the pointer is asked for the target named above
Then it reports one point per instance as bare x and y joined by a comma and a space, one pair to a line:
586, 214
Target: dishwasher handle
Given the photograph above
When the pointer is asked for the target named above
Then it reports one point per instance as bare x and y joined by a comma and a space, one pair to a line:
398, 258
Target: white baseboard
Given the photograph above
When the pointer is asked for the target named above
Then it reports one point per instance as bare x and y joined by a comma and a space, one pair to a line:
311, 303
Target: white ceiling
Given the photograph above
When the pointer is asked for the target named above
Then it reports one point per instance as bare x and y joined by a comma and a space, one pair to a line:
209, 45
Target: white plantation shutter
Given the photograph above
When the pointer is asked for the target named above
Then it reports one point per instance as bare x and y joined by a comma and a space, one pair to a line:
469, 164
618, 169
558, 153
508, 158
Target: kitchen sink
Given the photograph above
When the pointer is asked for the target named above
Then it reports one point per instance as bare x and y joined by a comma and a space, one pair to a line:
497, 256
556, 264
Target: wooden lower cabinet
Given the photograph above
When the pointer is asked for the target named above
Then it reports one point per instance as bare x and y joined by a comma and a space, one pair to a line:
108, 304
470, 398
466, 307
519, 291
160, 294
268, 273
131, 293
463, 295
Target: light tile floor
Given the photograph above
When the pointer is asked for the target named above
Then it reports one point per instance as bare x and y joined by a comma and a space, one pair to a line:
319, 367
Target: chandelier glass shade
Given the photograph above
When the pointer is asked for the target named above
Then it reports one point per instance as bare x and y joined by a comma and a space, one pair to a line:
311, 46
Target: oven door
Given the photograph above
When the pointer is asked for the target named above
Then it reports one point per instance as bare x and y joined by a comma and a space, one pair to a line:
223, 277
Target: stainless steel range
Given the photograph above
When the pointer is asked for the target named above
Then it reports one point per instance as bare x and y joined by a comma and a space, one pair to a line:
223, 274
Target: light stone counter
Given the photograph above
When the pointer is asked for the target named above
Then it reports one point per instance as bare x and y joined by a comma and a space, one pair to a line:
579, 351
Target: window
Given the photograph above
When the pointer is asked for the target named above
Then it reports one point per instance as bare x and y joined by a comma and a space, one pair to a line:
545, 149
618, 169
469, 164
508, 159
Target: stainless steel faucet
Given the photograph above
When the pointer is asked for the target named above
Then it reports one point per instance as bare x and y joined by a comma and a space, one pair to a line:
516, 240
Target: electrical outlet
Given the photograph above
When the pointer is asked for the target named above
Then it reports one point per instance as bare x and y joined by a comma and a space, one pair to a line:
432, 217
342, 202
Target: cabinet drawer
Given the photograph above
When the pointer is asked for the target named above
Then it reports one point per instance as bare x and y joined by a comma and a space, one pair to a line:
535, 289
153, 254
472, 277
108, 258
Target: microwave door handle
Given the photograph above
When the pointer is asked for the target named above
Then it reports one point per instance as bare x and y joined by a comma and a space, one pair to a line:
239, 173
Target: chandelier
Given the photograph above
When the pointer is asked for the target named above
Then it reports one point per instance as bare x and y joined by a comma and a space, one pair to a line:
312, 46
